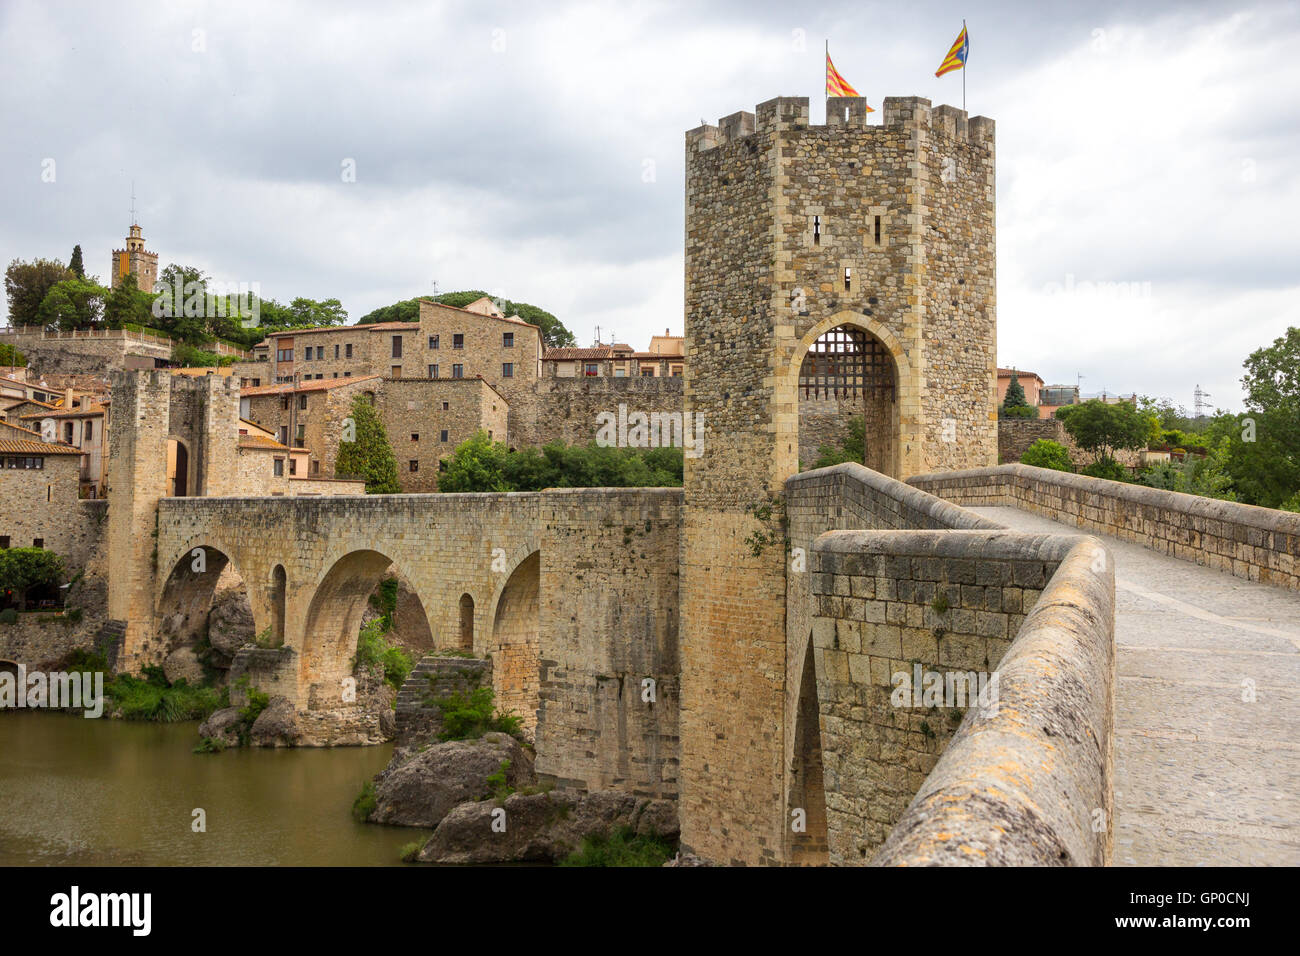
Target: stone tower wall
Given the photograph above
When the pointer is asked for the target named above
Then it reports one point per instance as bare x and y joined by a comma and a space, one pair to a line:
776, 211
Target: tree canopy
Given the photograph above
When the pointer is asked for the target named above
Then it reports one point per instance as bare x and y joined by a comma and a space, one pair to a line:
369, 456
26, 284
22, 569
480, 464
1104, 428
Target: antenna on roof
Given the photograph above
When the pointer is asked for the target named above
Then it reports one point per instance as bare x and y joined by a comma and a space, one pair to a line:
434, 283
133, 222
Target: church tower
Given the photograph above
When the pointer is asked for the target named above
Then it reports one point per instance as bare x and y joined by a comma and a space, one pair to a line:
136, 260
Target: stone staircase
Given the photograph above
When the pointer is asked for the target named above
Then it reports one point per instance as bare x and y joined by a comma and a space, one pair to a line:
436, 677
109, 641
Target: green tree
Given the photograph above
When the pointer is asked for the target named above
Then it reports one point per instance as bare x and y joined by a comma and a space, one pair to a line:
26, 285
1103, 428
1045, 453
127, 305
1263, 445
72, 304
11, 357
22, 569
310, 312
75, 265
369, 456
408, 310
1015, 397
181, 308
480, 464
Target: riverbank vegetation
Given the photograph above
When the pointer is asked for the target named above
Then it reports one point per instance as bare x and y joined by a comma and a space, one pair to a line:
150, 696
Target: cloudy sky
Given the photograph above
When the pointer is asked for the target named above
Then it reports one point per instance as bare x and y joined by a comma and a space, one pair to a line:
1147, 154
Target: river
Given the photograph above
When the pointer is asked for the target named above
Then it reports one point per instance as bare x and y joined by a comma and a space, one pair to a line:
122, 793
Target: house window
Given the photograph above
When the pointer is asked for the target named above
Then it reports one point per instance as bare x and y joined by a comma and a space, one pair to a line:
848, 278
817, 230
89, 430
591, 368
675, 371
433, 341
347, 374
336, 352
4, 540
300, 438
284, 355
647, 371
347, 350
67, 433
442, 435
284, 435
415, 436
507, 340
302, 403
315, 467
38, 542
284, 402
507, 369
397, 371
458, 340
414, 465
397, 346
293, 466
446, 406
433, 371
278, 467
458, 371
877, 230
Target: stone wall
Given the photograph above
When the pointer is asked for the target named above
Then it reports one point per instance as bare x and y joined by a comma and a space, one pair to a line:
43, 504
1259, 544
609, 640
1015, 435
416, 412
84, 355
567, 408
909, 628
1029, 782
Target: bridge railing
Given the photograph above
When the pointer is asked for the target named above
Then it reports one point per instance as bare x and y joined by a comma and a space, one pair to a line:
1258, 544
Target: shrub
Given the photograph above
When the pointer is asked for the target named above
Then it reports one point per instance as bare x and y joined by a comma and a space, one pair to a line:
621, 848
1106, 468
373, 649
409, 852
499, 782
9, 616
1017, 411
470, 716
1045, 453
365, 803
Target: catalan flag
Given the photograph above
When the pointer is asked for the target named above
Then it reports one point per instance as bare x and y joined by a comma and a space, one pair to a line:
836, 85
956, 58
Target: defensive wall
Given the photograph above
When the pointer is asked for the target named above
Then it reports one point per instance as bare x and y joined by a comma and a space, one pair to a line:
1259, 544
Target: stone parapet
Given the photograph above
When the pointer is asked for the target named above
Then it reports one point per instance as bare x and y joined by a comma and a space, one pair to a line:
1258, 544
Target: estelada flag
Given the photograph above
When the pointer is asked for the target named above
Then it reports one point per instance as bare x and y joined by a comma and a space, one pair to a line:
836, 85
956, 58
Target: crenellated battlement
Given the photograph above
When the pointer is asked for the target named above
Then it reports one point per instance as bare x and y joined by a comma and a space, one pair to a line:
791, 112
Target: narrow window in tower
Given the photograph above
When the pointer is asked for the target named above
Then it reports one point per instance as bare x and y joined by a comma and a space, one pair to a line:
817, 230
848, 279
877, 230
846, 116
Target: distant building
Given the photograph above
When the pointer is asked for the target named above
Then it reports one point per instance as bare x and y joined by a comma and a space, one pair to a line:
136, 260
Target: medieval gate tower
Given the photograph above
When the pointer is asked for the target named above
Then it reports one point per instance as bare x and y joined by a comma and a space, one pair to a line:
846, 263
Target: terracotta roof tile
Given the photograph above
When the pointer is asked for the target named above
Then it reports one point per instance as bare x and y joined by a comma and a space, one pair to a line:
21, 446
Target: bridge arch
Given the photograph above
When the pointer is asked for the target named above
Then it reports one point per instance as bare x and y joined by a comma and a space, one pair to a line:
516, 641
333, 621
186, 594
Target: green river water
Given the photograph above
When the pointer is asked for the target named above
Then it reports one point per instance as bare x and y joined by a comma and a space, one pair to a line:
118, 793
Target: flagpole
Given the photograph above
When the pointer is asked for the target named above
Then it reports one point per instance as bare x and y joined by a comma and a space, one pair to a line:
963, 66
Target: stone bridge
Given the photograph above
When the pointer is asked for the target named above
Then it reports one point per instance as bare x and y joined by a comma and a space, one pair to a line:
573, 593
